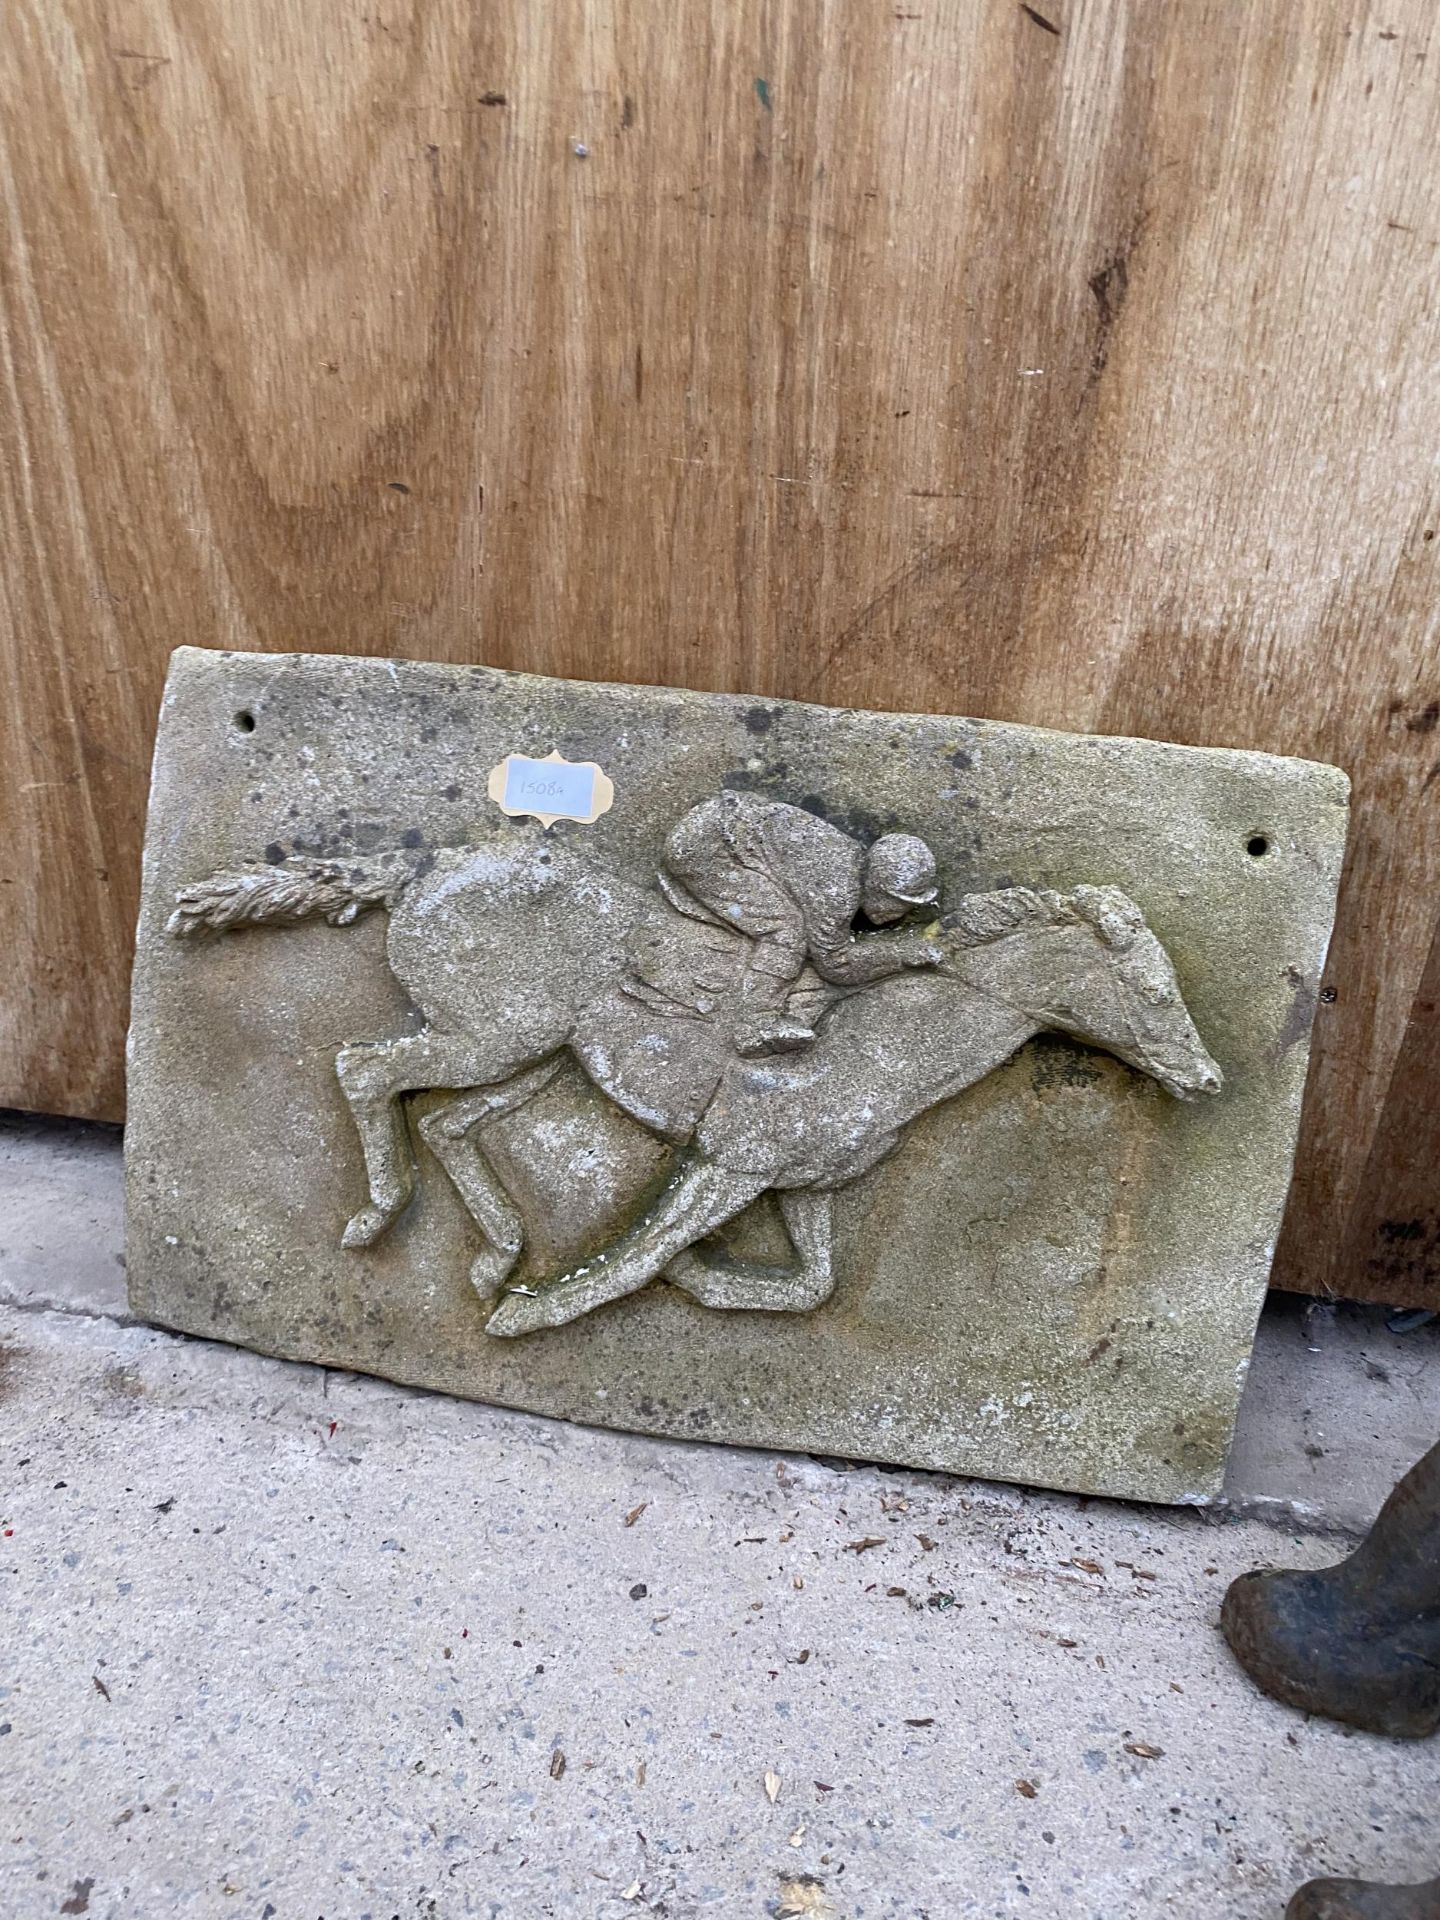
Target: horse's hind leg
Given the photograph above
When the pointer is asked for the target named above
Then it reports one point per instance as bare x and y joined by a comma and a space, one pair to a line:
748, 1285
373, 1074
447, 1133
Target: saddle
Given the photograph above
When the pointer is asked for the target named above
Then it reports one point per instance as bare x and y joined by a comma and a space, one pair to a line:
682, 968
688, 968
660, 1040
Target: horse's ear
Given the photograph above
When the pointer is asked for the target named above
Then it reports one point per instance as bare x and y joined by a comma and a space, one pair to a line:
1114, 915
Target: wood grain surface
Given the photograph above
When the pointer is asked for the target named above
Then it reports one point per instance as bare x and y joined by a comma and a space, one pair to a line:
1072, 363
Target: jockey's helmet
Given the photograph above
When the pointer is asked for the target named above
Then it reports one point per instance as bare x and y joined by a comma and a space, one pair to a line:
899, 874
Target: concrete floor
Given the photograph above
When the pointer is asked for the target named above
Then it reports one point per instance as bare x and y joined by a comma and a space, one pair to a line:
288, 1644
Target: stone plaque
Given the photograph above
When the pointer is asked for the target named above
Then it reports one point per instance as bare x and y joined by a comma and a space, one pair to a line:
890, 1085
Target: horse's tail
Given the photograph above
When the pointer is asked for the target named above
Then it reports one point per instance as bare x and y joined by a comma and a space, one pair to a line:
290, 891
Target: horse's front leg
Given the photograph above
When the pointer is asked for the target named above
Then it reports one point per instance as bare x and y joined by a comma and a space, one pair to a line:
373, 1074
746, 1285
701, 1198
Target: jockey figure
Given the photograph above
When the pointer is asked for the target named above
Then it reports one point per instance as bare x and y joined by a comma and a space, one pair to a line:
794, 884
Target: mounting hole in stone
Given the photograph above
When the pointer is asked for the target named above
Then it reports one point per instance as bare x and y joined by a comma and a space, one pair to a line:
1257, 846
244, 721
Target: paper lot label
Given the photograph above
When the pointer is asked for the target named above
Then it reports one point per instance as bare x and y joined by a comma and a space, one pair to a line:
551, 789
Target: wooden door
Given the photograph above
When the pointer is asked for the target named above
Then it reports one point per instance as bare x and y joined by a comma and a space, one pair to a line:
1073, 363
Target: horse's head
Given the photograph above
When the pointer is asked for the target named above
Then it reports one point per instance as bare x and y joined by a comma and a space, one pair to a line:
1083, 963
1130, 1002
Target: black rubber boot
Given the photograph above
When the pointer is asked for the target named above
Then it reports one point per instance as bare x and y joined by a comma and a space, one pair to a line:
1359, 1642
1364, 1900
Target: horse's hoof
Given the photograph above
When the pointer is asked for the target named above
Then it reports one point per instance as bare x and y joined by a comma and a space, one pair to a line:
690, 1274
489, 1271
366, 1227
513, 1316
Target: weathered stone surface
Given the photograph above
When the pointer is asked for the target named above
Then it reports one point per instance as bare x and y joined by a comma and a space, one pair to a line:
1053, 1277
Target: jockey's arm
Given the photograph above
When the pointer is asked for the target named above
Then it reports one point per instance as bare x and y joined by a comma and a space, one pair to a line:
858, 961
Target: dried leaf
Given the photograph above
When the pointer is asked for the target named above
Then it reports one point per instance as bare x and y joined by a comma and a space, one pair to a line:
926, 1542
1067, 1643
1143, 1750
1143, 1573
640, 1774
557, 1764
802, 1897
921, 1723
635, 1512
1027, 1787
864, 1546
1087, 1566
772, 1786
99, 1685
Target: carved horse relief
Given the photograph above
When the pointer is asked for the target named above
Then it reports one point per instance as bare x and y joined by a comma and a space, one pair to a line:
646, 998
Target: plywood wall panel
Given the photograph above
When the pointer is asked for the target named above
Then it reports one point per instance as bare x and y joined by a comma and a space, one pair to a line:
1073, 364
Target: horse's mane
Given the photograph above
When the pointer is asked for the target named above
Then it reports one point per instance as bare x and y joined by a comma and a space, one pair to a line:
982, 918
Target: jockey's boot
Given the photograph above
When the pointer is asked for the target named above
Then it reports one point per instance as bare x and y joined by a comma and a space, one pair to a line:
1359, 1642
771, 1033
1364, 1900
